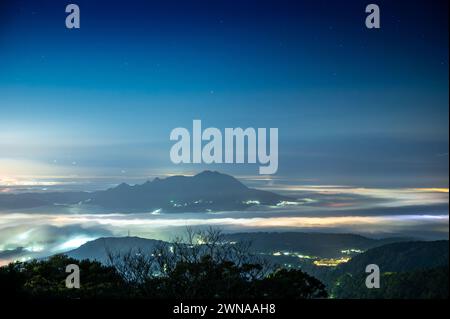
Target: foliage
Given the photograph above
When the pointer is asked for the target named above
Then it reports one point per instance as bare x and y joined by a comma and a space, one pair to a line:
202, 265
425, 284
46, 279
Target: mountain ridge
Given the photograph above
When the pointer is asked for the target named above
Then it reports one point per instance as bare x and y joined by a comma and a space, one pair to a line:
206, 191
97, 248
401, 256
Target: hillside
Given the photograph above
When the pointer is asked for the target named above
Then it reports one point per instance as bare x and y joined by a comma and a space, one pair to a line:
315, 244
98, 249
424, 284
412, 270
400, 257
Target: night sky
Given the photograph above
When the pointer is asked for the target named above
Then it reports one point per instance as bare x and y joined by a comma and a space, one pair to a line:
353, 105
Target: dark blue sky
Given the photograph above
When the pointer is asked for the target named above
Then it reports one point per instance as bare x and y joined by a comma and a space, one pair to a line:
352, 105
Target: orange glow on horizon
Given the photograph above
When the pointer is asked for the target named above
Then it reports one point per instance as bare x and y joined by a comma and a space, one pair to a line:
433, 190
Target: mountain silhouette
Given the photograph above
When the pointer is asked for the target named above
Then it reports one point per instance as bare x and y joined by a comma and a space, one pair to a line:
315, 244
98, 249
402, 256
408, 270
329, 245
206, 191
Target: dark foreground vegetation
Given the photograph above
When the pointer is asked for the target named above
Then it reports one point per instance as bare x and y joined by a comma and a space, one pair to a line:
425, 284
199, 266
409, 270
207, 265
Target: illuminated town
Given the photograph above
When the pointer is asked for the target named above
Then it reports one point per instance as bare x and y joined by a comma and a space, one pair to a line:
319, 261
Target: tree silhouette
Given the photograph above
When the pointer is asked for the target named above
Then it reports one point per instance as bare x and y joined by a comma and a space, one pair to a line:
201, 265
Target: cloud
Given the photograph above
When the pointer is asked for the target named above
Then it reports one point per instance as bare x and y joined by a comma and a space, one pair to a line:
403, 212
12, 253
28, 240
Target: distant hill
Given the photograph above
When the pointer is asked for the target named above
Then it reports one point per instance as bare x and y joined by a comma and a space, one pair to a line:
315, 244
205, 191
32, 200
98, 249
411, 270
400, 257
